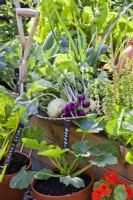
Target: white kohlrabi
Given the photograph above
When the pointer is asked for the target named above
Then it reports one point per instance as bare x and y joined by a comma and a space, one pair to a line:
54, 108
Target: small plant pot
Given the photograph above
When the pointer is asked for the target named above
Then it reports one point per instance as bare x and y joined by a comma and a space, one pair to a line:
83, 194
7, 193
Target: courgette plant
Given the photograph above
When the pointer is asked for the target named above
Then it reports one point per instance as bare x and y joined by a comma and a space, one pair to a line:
67, 160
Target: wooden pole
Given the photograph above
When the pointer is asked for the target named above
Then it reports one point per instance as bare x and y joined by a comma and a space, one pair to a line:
25, 43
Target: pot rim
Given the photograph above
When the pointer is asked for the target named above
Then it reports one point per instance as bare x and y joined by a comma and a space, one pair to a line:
73, 194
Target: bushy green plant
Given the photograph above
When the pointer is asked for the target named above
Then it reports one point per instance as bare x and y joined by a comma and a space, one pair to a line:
118, 109
11, 115
9, 62
89, 153
91, 16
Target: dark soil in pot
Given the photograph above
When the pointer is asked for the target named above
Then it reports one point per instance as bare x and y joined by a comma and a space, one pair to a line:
18, 160
16, 163
47, 187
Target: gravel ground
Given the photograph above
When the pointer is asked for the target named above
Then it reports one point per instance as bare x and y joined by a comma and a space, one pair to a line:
28, 195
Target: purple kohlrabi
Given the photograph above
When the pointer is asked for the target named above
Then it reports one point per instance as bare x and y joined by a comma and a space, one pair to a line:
69, 105
81, 97
81, 112
85, 103
65, 111
75, 104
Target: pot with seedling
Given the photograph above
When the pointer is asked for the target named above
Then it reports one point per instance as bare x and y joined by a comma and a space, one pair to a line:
12, 122
70, 165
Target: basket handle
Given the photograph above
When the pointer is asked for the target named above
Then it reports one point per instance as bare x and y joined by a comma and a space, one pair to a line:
25, 43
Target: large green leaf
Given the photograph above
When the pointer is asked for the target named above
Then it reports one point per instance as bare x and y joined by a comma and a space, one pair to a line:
30, 107
6, 104
82, 148
87, 14
34, 144
76, 181
55, 153
103, 160
12, 122
86, 148
33, 132
89, 124
39, 86
44, 174
22, 180
120, 192
109, 147
101, 16
129, 156
64, 62
128, 123
114, 125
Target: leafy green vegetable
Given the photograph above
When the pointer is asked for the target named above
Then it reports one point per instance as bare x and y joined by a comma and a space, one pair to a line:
23, 179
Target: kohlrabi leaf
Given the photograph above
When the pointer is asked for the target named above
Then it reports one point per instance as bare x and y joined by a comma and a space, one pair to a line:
23, 179
23, 97
33, 132
34, 144
55, 152
76, 181
30, 107
120, 192
103, 160
129, 156
89, 124
44, 174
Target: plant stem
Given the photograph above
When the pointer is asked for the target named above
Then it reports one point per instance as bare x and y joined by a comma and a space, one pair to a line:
73, 164
113, 65
51, 175
77, 173
54, 163
45, 95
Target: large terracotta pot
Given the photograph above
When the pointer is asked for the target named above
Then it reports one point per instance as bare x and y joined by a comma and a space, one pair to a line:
7, 193
126, 57
83, 194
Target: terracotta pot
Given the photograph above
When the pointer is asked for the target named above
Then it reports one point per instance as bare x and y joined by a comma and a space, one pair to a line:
7, 193
126, 57
83, 194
